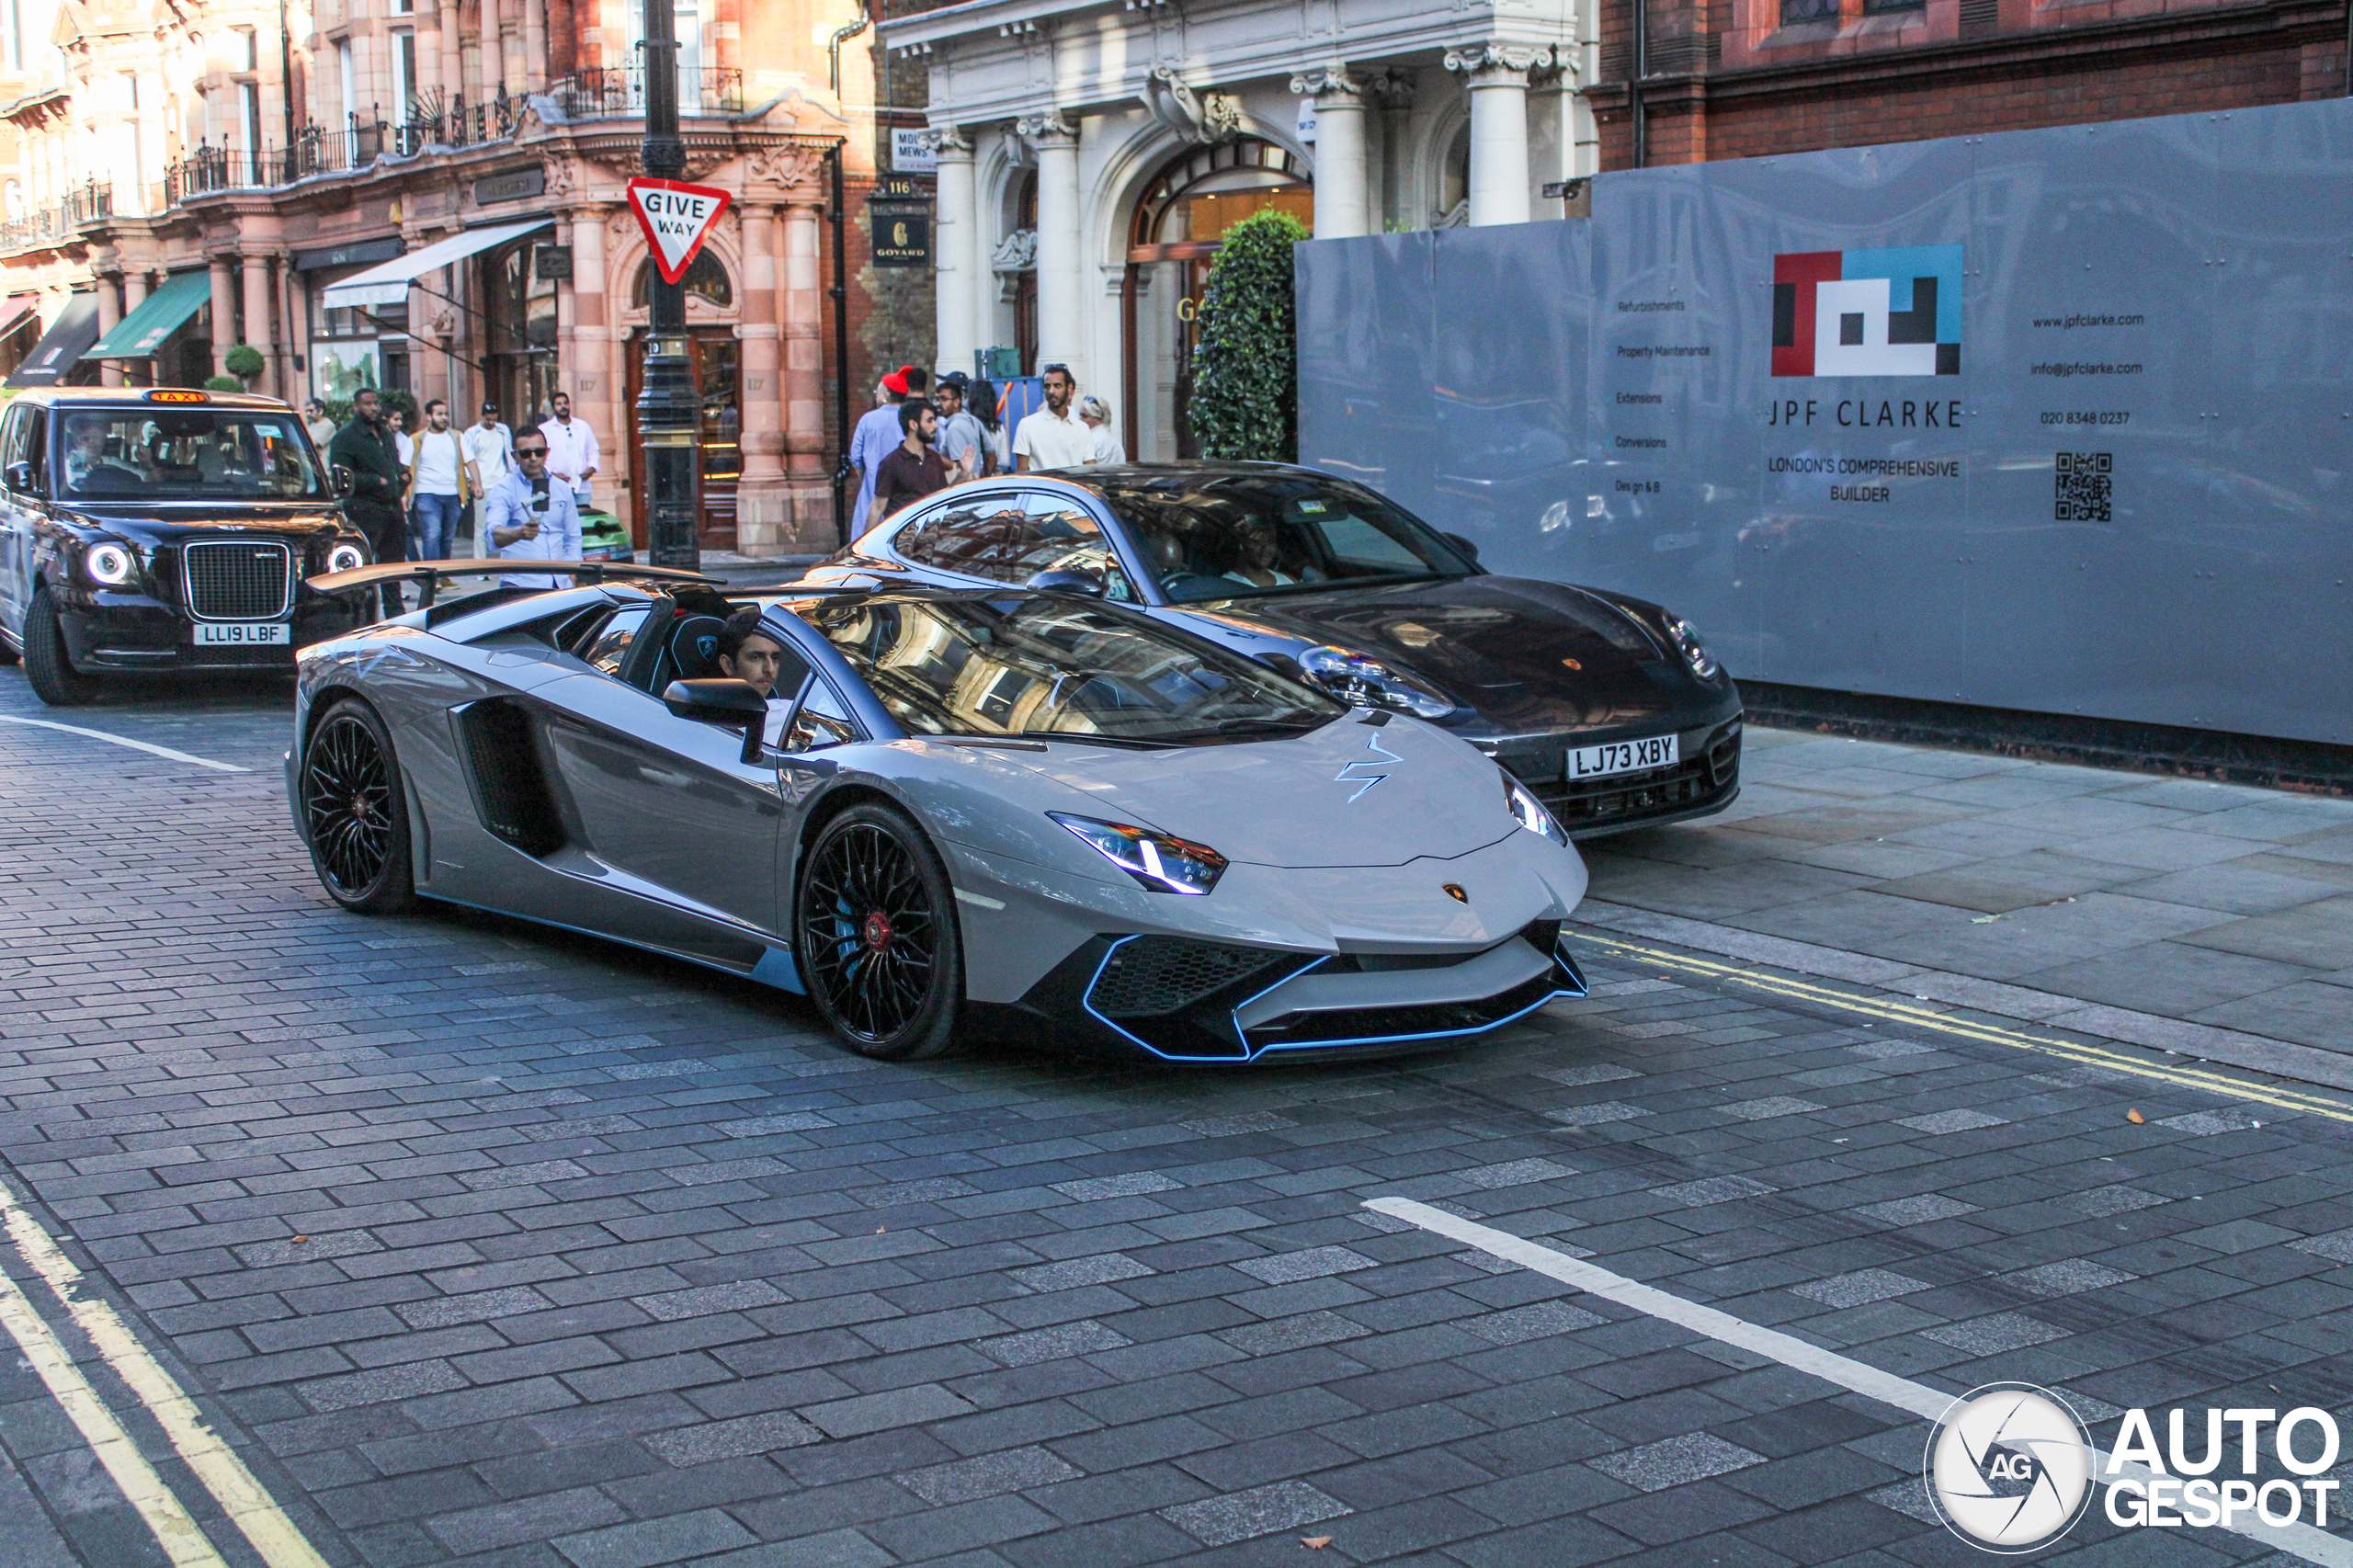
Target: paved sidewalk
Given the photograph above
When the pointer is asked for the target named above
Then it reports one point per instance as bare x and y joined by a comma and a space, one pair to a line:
2057, 888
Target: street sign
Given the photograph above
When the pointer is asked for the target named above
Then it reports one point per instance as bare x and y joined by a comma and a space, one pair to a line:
676, 217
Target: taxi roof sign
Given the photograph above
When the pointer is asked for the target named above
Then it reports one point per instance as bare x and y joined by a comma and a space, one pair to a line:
676, 217
174, 395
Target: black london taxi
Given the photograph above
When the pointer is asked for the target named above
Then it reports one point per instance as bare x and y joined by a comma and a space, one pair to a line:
166, 530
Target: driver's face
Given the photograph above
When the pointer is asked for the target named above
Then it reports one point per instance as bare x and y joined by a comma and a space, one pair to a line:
89, 439
756, 663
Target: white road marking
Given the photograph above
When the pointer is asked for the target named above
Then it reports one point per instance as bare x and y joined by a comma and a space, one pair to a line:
2297, 1540
275, 1537
182, 1539
164, 752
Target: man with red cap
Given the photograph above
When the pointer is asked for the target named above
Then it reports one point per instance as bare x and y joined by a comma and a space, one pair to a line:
878, 432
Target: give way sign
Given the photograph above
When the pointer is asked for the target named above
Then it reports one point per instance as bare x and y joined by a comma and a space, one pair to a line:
676, 218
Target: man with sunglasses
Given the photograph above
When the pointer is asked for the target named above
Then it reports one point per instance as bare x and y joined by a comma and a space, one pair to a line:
531, 518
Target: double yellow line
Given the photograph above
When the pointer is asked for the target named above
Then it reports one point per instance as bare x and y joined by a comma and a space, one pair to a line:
2285, 1098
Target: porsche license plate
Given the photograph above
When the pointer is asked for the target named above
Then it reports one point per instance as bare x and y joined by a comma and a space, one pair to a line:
1621, 756
241, 633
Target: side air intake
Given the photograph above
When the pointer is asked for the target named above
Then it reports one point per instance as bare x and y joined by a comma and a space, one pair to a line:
510, 787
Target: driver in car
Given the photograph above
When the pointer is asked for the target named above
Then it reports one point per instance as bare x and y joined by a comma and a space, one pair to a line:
1259, 549
749, 654
85, 454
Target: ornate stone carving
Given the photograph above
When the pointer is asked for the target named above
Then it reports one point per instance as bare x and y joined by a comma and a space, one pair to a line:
789, 168
562, 175
1193, 117
1388, 89
1333, 79
1045, 129
950, 141
1492, 60
1017, 252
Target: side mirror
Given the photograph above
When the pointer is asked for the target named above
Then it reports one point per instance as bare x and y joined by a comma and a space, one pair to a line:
343, 481
20, 477
729, 703
1470, 551
1063, 580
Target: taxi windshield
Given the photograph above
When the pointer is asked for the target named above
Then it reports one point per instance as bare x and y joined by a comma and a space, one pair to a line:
187, 455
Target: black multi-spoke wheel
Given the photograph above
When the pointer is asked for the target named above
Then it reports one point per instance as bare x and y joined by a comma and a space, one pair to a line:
878, 937
353, 813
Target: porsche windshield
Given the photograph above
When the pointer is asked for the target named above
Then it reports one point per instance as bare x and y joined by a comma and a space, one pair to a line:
171, 454
1055, 667
1223, 535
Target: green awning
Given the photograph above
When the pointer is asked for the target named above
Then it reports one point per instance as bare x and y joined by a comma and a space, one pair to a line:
140, 334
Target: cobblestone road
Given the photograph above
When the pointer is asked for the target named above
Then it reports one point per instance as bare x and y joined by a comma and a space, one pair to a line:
488, 1244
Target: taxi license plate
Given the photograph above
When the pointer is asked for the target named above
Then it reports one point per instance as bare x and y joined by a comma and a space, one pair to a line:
1621, 756
241, 633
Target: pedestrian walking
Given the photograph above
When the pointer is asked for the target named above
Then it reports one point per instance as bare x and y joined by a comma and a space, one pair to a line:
532, 515
437, 485
490, 457
914, 468
365, 448
1096, 415
878, 431
1054, 437
572, 451
315, 420
960, 429
996, 449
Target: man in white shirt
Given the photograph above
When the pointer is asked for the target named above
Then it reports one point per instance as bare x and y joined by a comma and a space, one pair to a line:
1054, 437
960, 430
437, 488
572, 449
877, 435
490, 457
531, 517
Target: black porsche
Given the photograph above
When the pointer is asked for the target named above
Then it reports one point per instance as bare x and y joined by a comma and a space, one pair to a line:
1610, 708
163, 530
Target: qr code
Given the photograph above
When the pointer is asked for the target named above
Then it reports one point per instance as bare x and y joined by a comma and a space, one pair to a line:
2086, 485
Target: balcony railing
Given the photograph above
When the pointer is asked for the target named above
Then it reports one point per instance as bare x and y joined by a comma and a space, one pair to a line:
319, 150
619, 92
48, 225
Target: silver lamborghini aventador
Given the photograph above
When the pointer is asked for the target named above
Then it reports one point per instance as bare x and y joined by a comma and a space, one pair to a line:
956, 815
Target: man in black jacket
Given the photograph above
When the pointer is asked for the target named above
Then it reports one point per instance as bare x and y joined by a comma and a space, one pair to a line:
365, 446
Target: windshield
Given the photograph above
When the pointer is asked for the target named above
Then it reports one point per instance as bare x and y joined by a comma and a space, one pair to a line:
187, 455
1052, 667
1210, 536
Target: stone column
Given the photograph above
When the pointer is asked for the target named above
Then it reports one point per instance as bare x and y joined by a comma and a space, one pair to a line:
257, 319
493, 50
953, 250
535, 45
801, 303
1342, 207
109, 317
1498, 76
759, 494
224, 311
1062, 274
587, 376
136, 372
453, 80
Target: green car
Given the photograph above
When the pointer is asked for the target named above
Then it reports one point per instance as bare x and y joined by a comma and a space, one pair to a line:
602, 537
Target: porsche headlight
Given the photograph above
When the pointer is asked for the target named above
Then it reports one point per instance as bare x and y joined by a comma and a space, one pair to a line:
1157, 860
1695, 652
1367, 683
1530, 813
346, 558
111, 565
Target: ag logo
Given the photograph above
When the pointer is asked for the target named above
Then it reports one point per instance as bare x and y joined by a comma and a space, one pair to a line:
2009, 1468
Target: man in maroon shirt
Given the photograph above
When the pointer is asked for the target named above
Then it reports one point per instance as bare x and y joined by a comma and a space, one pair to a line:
913, 470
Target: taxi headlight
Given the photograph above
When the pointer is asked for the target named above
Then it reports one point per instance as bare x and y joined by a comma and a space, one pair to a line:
1158, 861
111, 565
1367, 683
346, 558
1529, 811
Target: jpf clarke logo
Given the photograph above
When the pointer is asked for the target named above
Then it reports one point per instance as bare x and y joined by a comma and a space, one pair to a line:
1867, 313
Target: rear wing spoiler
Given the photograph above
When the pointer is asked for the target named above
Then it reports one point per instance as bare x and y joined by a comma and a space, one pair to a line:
429, 574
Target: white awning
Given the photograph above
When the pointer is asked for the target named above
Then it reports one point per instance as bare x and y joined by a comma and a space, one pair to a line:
388, 284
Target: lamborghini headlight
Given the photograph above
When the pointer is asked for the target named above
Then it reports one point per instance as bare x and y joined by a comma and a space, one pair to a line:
1157, 860
346, 558
1367, 683
1695, 652
111, 565
1530, 813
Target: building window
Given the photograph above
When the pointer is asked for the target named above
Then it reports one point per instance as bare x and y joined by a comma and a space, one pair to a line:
704, 276
249, 116
247, 48
404, 74
12, 35
1882, 7
1796, 13
349, 80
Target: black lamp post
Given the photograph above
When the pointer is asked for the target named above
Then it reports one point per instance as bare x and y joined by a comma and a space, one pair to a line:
669, 410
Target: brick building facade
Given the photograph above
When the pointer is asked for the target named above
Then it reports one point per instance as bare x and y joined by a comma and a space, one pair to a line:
1748, 78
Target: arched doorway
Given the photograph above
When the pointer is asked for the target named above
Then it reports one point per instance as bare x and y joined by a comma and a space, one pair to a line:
719, 380
1178, 226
